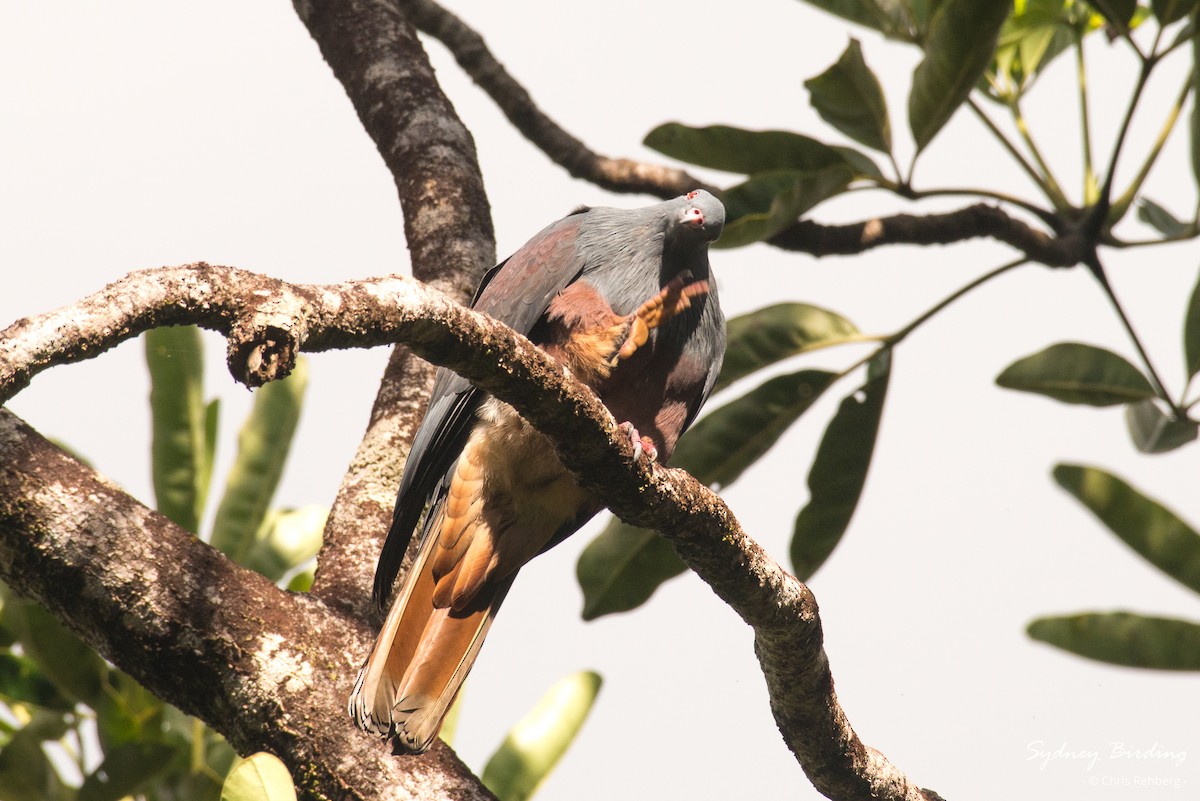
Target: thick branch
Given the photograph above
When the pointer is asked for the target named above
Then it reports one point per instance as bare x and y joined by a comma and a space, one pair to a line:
376, 56
284, 318
978, 220
268, 669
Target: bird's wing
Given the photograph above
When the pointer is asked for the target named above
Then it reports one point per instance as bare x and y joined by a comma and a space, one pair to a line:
516, 292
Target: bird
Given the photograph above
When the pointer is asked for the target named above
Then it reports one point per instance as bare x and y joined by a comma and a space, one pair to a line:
625, 300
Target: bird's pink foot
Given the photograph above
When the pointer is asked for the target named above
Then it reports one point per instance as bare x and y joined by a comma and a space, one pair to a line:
642, 446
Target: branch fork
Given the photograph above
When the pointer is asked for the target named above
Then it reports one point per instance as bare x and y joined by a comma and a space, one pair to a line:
268, 321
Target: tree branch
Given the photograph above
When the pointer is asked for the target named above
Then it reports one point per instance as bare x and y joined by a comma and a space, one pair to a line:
626, 175
473, 55
268, 669
1065, 249
268, 321
376, 56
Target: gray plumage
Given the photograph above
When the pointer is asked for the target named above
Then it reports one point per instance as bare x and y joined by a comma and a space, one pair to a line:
627, 256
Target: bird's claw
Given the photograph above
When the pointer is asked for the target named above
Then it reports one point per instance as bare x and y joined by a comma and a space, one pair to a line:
673, 299
642, 446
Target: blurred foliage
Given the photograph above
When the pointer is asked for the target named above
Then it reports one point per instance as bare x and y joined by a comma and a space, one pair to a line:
73, 727
538, 741
1160, 537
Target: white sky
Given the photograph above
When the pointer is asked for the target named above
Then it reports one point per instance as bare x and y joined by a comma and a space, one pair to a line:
139, 134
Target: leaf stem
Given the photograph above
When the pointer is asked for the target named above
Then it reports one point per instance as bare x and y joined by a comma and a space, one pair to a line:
1057, 201
899, 336
1052, 185
1123, 131
892, 340
1090, 186
1121, 205
198, 761
954, 191
1097, 270
1191, 233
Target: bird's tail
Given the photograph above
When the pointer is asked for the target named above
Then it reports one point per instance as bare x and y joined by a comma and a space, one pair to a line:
420, 660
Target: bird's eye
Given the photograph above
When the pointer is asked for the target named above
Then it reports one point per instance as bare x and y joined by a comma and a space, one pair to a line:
693, 194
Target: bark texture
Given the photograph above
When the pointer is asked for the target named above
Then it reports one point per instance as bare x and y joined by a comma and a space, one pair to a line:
267, 323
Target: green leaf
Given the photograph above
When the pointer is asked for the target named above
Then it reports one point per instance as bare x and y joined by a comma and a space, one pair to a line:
175, 357
287, 539
1035, 34
1145, 525
1154, 431
1123, 638
848, 97
208, 455
22, 681
722, 147
49, 725
127, 769
263, 446
204, 758
261, 777
860, 163
839, 471
961, 42
1195, 115
535, 745
769, 202
1076, 373
1184, 34
892, 18
127, 712
302, 581
622, 567
1117, 12
1191, 332
725, 442
768, 335
1168, 11
73, 667
1160, 219
26, 773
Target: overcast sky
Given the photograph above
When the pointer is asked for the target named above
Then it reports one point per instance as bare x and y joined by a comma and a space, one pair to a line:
139, 134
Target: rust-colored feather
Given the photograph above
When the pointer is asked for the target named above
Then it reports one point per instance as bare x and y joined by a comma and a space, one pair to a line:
508, 497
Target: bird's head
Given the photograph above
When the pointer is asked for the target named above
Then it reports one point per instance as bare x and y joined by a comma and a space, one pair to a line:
701, 212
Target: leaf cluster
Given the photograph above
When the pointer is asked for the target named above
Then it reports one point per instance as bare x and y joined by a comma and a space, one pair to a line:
974, 55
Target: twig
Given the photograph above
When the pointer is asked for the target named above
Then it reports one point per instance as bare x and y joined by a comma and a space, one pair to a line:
899, 336
1022, 162
1085, 124
473, 55
1052, 184
1096, 268
1126, 200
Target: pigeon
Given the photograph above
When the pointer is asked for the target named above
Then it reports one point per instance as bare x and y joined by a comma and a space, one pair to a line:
624, 299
